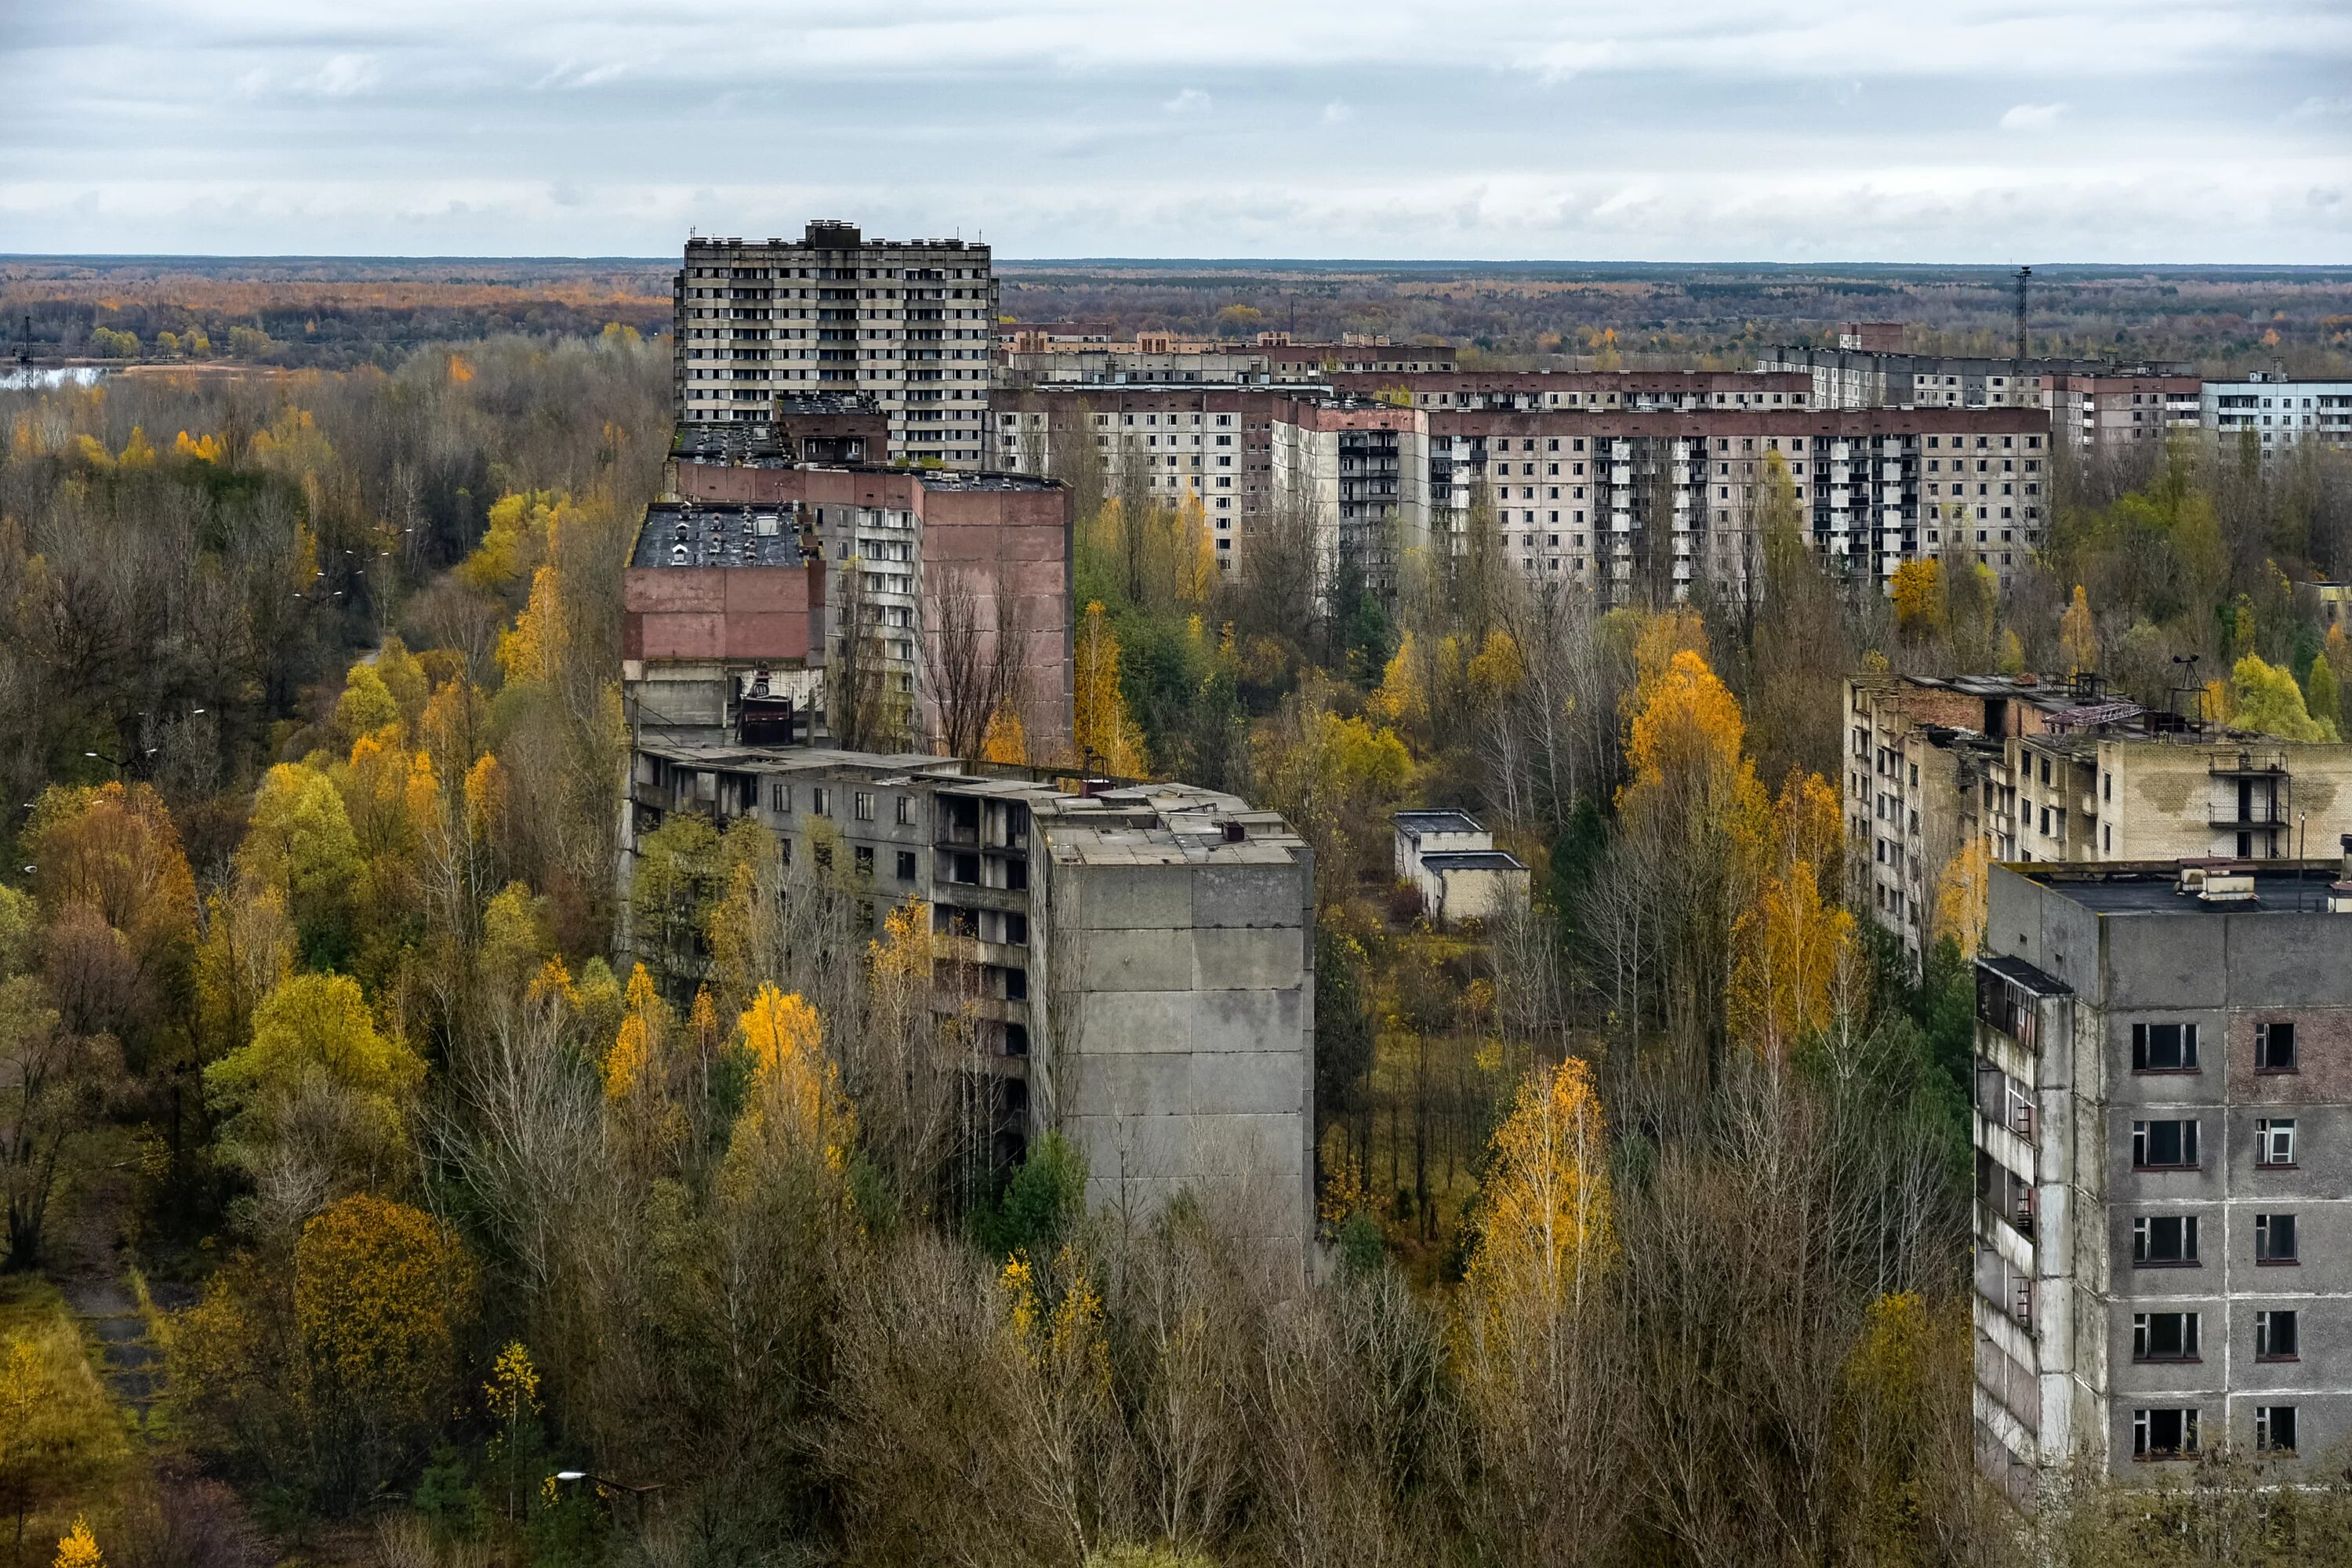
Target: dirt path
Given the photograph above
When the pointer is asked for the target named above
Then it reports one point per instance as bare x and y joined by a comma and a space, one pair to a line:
90, 1261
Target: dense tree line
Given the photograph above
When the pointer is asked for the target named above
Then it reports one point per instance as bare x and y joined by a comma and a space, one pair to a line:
1661, 317
318, 314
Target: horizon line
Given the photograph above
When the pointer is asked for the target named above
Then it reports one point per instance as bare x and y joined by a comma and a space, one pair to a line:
1370, 263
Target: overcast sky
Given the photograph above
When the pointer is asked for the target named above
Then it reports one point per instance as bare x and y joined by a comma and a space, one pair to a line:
1614, 130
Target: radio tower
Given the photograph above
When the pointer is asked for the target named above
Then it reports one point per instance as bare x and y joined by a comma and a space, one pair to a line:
2017, 369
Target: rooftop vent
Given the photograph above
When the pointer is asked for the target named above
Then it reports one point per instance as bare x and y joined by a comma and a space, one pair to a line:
1234, 831
2193, 872
2227, 885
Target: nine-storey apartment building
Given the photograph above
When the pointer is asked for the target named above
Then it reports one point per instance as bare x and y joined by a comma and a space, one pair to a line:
2161, 1117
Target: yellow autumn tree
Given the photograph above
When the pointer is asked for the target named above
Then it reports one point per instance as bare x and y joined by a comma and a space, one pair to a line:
1545, 1221
1657, 640
247, 947
1063, 1413
1962, 892
1918, 590
1196, 553
1791, 940
796, 1112
365, 706
2078, 634
1907, 1354
381, 1294
1105, 732
298, 841
2323, 689
1402, 696
78, 1548
1495, 672
315, 1042
2264, 698
1007, 739
388, 803
511, 1398
1685, 752
630, 1067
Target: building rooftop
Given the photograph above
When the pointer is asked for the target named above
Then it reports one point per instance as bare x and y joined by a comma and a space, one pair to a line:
2166, 886
2019, 972
816, 402
1473, 860
1165, 823
729, 443
964, 479
1413, 824
831, 234
699, 533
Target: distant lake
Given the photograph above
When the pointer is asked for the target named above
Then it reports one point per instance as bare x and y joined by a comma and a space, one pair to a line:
50, 380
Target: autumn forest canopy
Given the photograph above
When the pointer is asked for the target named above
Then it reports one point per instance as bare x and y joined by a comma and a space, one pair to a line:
388, 1194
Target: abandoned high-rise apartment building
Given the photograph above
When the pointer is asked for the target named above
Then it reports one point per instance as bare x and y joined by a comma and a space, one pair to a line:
909, 323
2163, 1137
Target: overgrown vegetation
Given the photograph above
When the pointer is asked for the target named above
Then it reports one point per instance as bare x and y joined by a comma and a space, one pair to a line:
1646, 1208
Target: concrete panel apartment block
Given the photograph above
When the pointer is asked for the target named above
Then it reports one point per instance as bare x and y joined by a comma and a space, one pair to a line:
2163, 1131
1144, 951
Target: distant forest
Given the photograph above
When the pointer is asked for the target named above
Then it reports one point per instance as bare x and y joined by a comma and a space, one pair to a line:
2220, 319
337, 312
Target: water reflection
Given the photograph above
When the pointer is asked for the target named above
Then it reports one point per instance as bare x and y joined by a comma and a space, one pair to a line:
27, 380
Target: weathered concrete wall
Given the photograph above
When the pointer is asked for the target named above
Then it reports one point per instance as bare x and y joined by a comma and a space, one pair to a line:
1182, 1045
2225, 972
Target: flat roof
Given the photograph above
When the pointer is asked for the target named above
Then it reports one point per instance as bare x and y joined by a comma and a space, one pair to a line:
1473, 860
1413, 824
2019, 972
728, 442
685, 535
827, 402
1160, 824
2153, 888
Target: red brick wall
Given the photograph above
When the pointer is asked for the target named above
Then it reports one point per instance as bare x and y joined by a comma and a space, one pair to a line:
719, 612
1020, 535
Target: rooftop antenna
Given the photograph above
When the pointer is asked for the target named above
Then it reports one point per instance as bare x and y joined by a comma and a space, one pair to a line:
2188, 660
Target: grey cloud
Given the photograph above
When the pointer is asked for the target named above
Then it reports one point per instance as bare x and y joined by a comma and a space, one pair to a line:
1615, 130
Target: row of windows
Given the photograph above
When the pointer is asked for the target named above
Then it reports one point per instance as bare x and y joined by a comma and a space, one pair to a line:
2171, 1145
863, 803
2171, 1433
2172, 1048
2169, 1241
837, 274
2176, 1336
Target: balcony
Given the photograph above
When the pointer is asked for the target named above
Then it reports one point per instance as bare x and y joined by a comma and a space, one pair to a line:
2246, 764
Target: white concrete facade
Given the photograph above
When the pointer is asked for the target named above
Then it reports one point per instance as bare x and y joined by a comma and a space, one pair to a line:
2279, 414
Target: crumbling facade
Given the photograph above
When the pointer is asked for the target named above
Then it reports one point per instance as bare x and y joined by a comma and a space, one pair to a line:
2162, 1109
